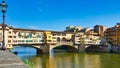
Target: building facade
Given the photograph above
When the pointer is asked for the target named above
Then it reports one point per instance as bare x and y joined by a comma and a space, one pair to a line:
112, 34
87, 39
18, 36
100, 29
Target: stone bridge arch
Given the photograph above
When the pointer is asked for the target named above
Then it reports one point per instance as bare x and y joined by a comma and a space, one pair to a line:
39, 50
68, 47
93, 48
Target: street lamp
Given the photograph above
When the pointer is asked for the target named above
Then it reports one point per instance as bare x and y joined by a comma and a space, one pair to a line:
3, 7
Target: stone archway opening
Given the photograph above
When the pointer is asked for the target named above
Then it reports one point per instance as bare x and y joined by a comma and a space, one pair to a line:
65, 48
58, 39
93, 48
27, 49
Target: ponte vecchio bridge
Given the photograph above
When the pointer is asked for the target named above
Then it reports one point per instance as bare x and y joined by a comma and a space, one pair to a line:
44, 41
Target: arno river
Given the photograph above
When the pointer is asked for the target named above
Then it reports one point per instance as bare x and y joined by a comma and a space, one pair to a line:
69, 60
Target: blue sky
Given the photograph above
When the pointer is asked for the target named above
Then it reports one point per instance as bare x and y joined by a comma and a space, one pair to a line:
57, 14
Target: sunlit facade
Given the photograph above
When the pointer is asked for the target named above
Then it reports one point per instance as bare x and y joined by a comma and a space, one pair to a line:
49, 38
112, 34
18, 36
82, 38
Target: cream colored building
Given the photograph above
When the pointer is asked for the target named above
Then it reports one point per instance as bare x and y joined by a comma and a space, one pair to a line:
63, 36
82, 38
15, 36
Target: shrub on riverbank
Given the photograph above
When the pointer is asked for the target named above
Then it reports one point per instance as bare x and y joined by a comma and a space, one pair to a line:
27, 62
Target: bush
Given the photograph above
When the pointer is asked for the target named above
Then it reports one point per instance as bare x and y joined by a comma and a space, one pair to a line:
27, 62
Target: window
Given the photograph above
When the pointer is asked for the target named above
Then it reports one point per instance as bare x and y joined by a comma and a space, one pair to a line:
30, 40
15, 32
118, 39
41, 40
49, 40
9, 32
14, 36
26, 40
49, 36
9, 36
9, 41
54, 37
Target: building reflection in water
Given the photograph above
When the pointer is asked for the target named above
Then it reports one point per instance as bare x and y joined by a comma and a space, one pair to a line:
92, 61
61, 60
66, 60
69, 60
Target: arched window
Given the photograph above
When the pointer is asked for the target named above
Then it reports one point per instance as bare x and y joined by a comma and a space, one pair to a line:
58, 39
63, 39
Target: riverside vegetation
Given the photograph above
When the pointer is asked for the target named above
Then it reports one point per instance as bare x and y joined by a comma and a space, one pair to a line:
27, 62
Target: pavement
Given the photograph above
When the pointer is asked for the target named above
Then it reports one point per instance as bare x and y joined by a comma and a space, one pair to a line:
9, 60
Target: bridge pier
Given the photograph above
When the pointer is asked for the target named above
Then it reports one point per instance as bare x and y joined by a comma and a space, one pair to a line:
39, 51
81, 48
110, 49
46, 49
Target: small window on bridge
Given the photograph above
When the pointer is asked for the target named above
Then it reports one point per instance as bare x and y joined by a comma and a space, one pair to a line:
15, 32
9, 41
9, 32
49, 40
14, 36
9, 36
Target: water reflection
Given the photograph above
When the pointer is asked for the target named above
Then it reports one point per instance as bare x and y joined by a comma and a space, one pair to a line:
67, 60
73, 60
24, 52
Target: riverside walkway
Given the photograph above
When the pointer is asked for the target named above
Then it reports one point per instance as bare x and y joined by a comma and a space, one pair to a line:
9, 60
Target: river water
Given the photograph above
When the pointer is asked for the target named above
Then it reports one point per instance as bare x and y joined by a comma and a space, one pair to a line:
69, 60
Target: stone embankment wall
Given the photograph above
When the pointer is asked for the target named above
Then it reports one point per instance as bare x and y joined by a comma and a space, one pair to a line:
9, 60
115, 49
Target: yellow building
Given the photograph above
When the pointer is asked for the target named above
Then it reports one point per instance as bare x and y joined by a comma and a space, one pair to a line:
112, 34
49, 38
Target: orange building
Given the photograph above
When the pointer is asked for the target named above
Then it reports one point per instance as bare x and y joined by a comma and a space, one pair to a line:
112, 34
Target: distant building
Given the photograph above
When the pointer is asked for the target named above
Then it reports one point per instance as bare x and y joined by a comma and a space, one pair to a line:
112, 34
100, 29
84, 35
84, 30
88, 39
73, 28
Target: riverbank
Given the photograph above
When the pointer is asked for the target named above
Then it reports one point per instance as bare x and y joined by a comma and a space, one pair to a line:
9, 60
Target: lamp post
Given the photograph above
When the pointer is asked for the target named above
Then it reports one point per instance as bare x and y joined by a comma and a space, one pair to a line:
3, 7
